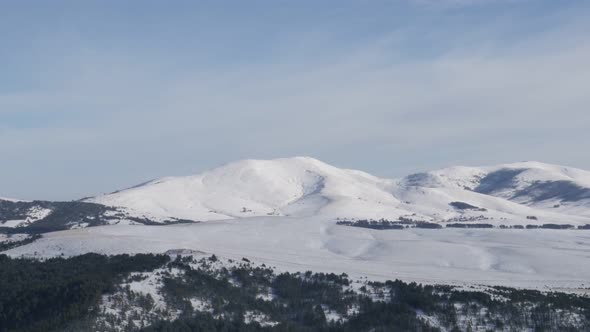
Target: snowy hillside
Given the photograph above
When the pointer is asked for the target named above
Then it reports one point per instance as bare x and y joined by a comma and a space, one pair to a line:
532, 193
10, 199
44, 216
285, 213
556, 188
520, 258
296, 186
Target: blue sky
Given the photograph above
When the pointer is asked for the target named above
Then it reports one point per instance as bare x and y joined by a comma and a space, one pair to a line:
100, 95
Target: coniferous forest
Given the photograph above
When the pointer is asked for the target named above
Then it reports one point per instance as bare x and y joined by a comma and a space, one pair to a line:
188, 293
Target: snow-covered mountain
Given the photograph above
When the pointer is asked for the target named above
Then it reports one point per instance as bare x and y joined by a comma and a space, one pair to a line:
557, 188
298, 186
528, 192
284, 213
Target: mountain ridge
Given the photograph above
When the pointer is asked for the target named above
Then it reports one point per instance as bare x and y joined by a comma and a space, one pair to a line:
304, 214
507, 194
302, 186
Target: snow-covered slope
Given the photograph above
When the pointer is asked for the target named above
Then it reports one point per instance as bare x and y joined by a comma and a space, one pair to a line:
555, 189
539, 258
32, 215
283, 213
47, 216
295, 186
302, 186
10, 199
18, 213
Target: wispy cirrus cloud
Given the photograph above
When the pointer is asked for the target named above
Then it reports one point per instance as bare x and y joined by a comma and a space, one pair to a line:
408, 98
454, 4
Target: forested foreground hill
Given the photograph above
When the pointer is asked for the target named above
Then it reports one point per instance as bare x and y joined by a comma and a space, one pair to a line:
197, 293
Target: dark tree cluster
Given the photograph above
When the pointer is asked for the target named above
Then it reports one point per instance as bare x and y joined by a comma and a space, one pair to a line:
300, 301
63, 295
552, 226
459, 225
64, 215
384, 224
466, 206
47, 295
373, 224
468, 218
388, 224
7, 245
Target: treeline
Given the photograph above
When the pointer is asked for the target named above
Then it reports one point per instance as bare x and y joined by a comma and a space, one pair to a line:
10, 244
373, 224
388, 224
384, 224
63, 215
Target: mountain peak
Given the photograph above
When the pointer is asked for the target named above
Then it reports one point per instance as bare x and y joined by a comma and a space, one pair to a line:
303, 186
299, 160
283, 167
532, 164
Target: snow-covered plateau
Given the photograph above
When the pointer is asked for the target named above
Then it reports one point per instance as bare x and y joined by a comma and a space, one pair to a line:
284, 213
520, 258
